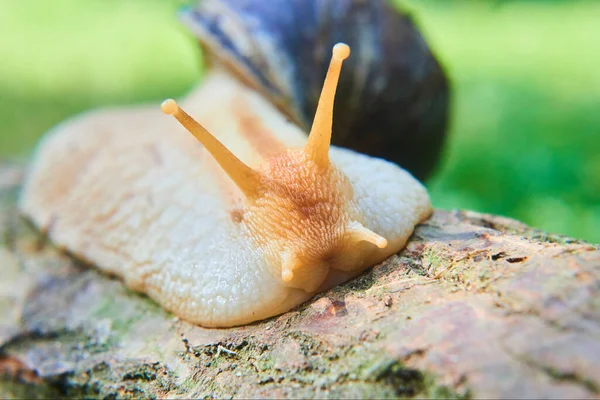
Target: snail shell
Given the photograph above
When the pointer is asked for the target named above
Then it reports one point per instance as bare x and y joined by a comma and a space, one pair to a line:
392, 97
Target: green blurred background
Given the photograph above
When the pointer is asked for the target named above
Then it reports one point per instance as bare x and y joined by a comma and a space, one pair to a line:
525, 137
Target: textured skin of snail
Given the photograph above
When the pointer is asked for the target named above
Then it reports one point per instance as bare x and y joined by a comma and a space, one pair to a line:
393, 96
134, 194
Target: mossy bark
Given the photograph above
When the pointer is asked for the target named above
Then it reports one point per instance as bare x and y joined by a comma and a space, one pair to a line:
476, 305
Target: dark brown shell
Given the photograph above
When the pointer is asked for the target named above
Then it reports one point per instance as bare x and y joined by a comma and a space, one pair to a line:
393, 96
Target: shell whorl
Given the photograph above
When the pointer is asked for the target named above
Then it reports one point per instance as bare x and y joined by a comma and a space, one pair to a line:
393, 96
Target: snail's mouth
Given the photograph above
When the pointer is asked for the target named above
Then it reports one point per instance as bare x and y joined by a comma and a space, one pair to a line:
336, 277
316, 274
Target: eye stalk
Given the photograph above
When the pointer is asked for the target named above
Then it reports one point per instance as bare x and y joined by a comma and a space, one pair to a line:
242, 175
319, 138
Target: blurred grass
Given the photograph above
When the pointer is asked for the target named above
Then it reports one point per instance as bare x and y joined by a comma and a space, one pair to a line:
525, 139
61, 57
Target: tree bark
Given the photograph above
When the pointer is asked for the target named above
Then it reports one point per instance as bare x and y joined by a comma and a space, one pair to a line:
475, 306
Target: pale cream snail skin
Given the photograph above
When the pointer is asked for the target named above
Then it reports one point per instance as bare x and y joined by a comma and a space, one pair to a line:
242, 226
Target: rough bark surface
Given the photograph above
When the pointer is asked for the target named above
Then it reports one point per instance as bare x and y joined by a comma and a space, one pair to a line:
475, 306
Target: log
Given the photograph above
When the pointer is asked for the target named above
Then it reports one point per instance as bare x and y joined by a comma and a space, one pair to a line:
476, 305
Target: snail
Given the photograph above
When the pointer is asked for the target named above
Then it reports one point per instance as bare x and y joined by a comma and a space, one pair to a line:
244, 219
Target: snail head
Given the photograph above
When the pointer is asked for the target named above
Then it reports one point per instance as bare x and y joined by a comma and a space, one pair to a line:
299, 208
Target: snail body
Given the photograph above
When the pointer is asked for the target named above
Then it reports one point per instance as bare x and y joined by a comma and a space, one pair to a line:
228, 229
